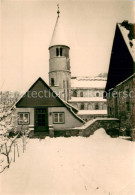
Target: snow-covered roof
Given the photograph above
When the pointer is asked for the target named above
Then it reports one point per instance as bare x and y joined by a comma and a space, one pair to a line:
88, 82
125, 33
87, 99
58, 36
92, 112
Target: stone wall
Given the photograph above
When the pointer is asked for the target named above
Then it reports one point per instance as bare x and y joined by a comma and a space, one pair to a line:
111, 127
121, 104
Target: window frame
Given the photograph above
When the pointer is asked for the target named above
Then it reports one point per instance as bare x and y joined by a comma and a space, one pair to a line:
19, 123
58, 113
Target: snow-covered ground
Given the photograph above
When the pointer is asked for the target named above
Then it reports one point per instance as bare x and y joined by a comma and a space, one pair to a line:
73, 166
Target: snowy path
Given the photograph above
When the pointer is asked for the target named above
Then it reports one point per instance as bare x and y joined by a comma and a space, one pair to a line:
73, 166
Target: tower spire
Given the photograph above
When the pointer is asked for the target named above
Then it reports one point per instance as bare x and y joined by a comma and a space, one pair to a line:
58, 36
58, 12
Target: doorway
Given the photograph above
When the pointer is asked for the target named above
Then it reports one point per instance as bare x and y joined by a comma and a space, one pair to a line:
41, 119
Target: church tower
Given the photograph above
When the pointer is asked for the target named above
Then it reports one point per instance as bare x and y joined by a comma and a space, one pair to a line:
59, 62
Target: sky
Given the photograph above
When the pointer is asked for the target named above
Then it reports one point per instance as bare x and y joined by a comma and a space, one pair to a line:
26, 28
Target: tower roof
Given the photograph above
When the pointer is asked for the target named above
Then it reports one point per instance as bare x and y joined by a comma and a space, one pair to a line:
58, 36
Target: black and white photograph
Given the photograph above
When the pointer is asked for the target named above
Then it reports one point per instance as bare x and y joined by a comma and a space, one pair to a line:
67, 97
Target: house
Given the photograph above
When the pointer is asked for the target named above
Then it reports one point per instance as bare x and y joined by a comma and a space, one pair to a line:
43, 111
120, 87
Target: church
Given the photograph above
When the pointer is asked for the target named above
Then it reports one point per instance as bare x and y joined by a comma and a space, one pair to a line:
84, 93
65, 103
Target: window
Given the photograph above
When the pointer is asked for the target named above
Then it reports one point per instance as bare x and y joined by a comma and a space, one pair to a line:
128, 101
81, 94
24, 118
58, 117
57, 51
74, 93
60, 51
96, 107
97, 94
82, 107
63, 84
52, 81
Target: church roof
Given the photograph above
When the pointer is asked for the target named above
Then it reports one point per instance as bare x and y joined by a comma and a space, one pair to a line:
58, 36
122, 60
129, 42
88, 82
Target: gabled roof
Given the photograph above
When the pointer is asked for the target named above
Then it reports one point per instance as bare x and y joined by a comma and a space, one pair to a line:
122, 64
40, 95
125, 33
58, 36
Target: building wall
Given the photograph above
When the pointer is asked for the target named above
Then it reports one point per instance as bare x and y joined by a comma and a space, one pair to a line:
87, 92
59, 71
121, 103
62, 83
92, 116
90, 105
30, 111
70, 119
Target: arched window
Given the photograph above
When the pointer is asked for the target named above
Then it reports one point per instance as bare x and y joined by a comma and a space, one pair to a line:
82, 107
61, 51
96, 107
52, 81
89, 107
57, 51
97, 94
81, 94
104, 107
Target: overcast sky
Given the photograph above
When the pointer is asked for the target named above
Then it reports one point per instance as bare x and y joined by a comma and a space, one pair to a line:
26, 27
